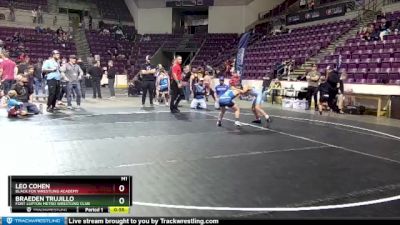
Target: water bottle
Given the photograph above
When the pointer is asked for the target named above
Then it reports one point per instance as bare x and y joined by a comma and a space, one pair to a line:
41, 108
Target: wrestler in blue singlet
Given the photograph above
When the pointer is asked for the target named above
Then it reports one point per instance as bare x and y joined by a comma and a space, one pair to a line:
164, 84
226, 99
257, 94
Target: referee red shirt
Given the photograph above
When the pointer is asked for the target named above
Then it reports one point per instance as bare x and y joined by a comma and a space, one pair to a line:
176, 69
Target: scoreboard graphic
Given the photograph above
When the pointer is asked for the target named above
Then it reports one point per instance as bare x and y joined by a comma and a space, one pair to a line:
70, 194
188, 3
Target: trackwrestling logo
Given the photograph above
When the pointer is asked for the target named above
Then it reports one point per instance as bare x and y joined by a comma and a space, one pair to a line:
9, 220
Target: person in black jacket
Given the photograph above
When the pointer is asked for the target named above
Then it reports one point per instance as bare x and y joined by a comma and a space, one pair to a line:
323, 89
96, 73
333, 79
147, 73
111, 72
24, 94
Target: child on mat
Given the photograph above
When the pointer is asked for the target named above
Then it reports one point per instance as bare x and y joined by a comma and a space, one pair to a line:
14, 106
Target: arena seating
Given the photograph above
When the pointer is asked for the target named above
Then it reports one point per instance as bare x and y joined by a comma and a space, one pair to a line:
38, 45
373, 62
301, 44
216, 49
115, 9
100, 44
26, 4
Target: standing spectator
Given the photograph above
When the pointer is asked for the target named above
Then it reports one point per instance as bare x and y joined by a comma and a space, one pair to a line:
82, 81
8, 71
312, 90
163, 86
40, 15
176, 86
111, 72
38, 78
24, 64
90, 22
34, 15
148, 77
333, 80
12, 12
186, 82
311, 4
303, 4
55, 20
96, 73
51, 68
72, 72
2, 45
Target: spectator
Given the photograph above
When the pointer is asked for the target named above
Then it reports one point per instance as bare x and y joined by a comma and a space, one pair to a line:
51, 68
311, 4
147, 73
341, 97
55, 20
24, 94
13, 105
23, 65
38, 79
2, 45
312, 90
12, 12
303, 4
90, 22
96, 73
73, 73
8, 71
333, 80
59, 31
111, 73
186, 82
82, 81
34, 15
40, 15
163, 86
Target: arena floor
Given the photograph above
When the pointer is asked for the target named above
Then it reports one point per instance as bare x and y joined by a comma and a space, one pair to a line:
304, 165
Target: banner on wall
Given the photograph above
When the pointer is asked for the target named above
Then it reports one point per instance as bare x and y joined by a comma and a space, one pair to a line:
316, 14
244, 40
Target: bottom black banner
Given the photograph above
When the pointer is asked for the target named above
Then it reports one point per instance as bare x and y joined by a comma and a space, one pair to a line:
199, 221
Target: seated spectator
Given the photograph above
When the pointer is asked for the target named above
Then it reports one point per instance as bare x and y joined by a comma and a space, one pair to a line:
16, 37
59, 31
121, 56
38, 29
24, 94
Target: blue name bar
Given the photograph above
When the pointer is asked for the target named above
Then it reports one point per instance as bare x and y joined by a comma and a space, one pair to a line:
33, 221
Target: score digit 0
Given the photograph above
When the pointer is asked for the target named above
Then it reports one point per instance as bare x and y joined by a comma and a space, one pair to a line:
121, 188
121, 201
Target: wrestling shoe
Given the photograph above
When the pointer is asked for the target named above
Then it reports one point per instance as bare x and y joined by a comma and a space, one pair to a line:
219, 123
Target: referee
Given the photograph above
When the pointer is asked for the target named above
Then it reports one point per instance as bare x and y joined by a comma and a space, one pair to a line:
148, 73
176, 85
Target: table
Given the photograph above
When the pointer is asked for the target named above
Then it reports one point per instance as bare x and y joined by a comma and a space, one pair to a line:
377, 98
